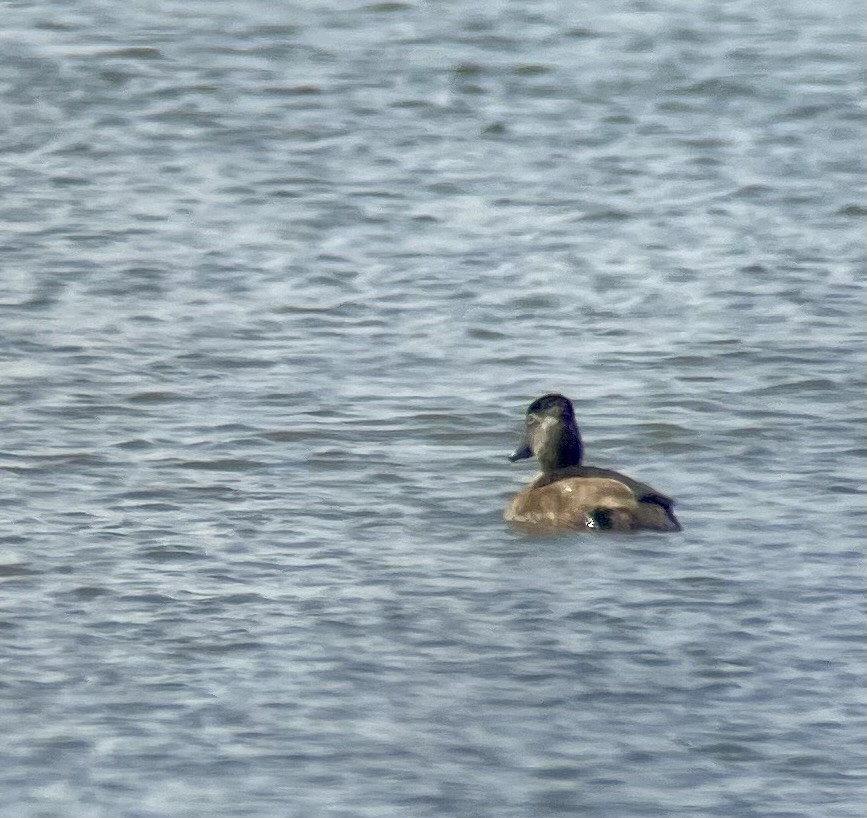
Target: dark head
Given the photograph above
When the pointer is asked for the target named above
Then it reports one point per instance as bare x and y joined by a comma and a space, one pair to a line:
551, 434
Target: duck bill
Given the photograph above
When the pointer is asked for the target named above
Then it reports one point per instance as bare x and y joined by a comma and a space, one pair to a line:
521, 453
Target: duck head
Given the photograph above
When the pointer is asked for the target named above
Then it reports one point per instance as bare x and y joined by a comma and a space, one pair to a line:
550, 434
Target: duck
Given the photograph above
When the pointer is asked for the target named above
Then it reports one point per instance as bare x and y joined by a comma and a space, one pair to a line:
569, 496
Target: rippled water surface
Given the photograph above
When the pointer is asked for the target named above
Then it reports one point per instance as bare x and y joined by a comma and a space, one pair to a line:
278, 282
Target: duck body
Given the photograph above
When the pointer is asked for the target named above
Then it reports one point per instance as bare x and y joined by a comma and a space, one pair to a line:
567, 495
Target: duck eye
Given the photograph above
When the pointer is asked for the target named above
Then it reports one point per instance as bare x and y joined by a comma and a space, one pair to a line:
533, 418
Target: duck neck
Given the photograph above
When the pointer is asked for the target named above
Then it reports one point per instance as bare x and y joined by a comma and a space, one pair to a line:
563, 450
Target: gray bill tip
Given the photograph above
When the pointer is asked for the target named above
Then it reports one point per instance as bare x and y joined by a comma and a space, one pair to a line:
521, 453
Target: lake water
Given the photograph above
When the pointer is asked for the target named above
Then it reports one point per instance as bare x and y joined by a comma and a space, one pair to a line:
278, 283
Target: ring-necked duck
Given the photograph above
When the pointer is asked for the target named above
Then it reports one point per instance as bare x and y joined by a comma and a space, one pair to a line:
567, 495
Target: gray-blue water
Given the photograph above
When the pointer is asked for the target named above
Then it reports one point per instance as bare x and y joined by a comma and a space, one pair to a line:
278, 281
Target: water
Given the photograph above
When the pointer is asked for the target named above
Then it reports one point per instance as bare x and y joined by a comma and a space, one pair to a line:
277, 285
